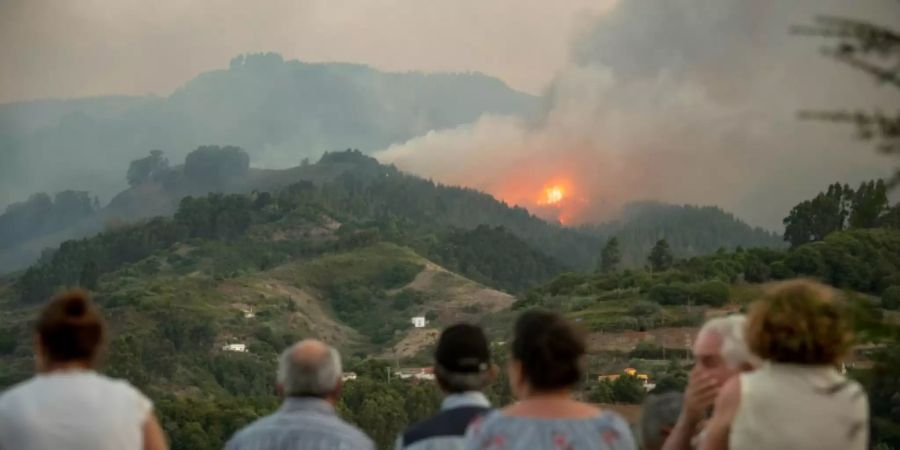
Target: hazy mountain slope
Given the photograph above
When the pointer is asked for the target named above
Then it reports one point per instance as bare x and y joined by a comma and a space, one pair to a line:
282, 111
359, 188
690, 231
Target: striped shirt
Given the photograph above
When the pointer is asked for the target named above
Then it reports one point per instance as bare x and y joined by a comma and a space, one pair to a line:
301, 424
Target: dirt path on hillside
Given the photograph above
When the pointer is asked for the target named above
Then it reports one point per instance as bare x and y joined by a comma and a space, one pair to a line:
625, 341
454, 299
310, 312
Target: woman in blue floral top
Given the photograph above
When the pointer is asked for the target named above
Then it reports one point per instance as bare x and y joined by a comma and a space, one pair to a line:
547, 360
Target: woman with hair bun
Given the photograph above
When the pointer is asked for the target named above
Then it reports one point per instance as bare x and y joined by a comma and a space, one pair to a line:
797, 400
547, 363
68, 405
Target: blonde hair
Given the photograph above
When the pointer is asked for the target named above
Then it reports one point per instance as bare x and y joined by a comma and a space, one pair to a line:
799, 322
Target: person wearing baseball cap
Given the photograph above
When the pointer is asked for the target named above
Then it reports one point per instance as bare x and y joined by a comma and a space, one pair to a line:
462, 368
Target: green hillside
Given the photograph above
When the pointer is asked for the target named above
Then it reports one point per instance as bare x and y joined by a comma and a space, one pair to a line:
351, 254
354, 186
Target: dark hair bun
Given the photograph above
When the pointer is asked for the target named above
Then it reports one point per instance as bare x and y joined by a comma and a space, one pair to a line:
74, 305
550, 349
70, 328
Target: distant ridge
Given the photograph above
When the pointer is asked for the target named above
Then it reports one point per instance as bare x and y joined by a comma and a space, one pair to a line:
281, 111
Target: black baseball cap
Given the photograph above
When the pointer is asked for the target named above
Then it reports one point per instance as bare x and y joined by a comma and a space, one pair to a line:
463, 348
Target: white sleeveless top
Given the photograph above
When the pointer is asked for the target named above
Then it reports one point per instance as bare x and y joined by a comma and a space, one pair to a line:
794, 407
73, 410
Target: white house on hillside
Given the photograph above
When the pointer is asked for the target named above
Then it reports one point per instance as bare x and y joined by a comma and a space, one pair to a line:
241, 348
419, 322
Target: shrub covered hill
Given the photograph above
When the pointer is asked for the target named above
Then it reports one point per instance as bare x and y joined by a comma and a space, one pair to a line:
366, 189
349, 250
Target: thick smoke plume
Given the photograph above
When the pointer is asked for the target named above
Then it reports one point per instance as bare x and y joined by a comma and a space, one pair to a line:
686, 101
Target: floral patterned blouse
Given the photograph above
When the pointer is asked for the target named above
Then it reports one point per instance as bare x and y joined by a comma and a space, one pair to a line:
495, 431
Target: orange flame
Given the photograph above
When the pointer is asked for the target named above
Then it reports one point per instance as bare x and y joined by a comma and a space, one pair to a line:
552, 195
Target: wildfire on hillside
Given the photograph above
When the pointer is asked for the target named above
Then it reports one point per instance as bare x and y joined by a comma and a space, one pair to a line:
555, 200
552, 195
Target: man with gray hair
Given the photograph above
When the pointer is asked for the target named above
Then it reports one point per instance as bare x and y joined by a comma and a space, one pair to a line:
659, 413
463, 368
720, 352
309, 379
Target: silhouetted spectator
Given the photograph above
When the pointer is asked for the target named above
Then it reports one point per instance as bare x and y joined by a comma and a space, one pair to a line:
68, 405
797, 400
309, 377
462, 367
547, 362
720, 353
659, 413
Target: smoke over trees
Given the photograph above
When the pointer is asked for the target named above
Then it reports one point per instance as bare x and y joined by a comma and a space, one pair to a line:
650, 106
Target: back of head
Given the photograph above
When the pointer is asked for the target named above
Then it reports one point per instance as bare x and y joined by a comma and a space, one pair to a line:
462, 359
659, 413
732, 330
798, 322
309, 368
70, 329
550, 350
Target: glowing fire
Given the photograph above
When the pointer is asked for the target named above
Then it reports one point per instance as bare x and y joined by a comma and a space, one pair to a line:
552, 195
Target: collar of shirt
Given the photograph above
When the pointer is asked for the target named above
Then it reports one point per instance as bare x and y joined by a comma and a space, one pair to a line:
471, 398
308, 404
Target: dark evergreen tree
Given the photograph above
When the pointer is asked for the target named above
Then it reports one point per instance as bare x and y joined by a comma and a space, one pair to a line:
814, 219
611, 255
870, 203
660, 257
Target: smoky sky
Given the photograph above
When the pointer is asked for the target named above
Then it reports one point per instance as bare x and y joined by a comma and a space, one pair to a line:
80, 48
685, 101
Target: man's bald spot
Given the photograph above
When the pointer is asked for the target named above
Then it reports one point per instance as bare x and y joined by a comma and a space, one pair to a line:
309, 352
309, 368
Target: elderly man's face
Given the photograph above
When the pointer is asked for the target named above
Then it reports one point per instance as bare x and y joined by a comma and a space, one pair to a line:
708, 359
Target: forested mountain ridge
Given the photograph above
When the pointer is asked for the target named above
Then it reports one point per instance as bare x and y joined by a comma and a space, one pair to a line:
690, 231
377, 191
283, 111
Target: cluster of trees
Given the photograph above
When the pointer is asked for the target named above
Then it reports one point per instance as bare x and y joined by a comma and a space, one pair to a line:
150, 169
711, 292
208, 167
865, 260
840, 208
42, 214
81, 262
211, 165
216, 216
493, 256
688, 230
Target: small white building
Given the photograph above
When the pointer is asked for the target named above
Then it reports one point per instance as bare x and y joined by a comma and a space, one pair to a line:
416, 373
240, 348
419, 322
249, 314
348, 376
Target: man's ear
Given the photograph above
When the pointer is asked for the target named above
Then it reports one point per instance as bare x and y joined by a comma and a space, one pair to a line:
336, 393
